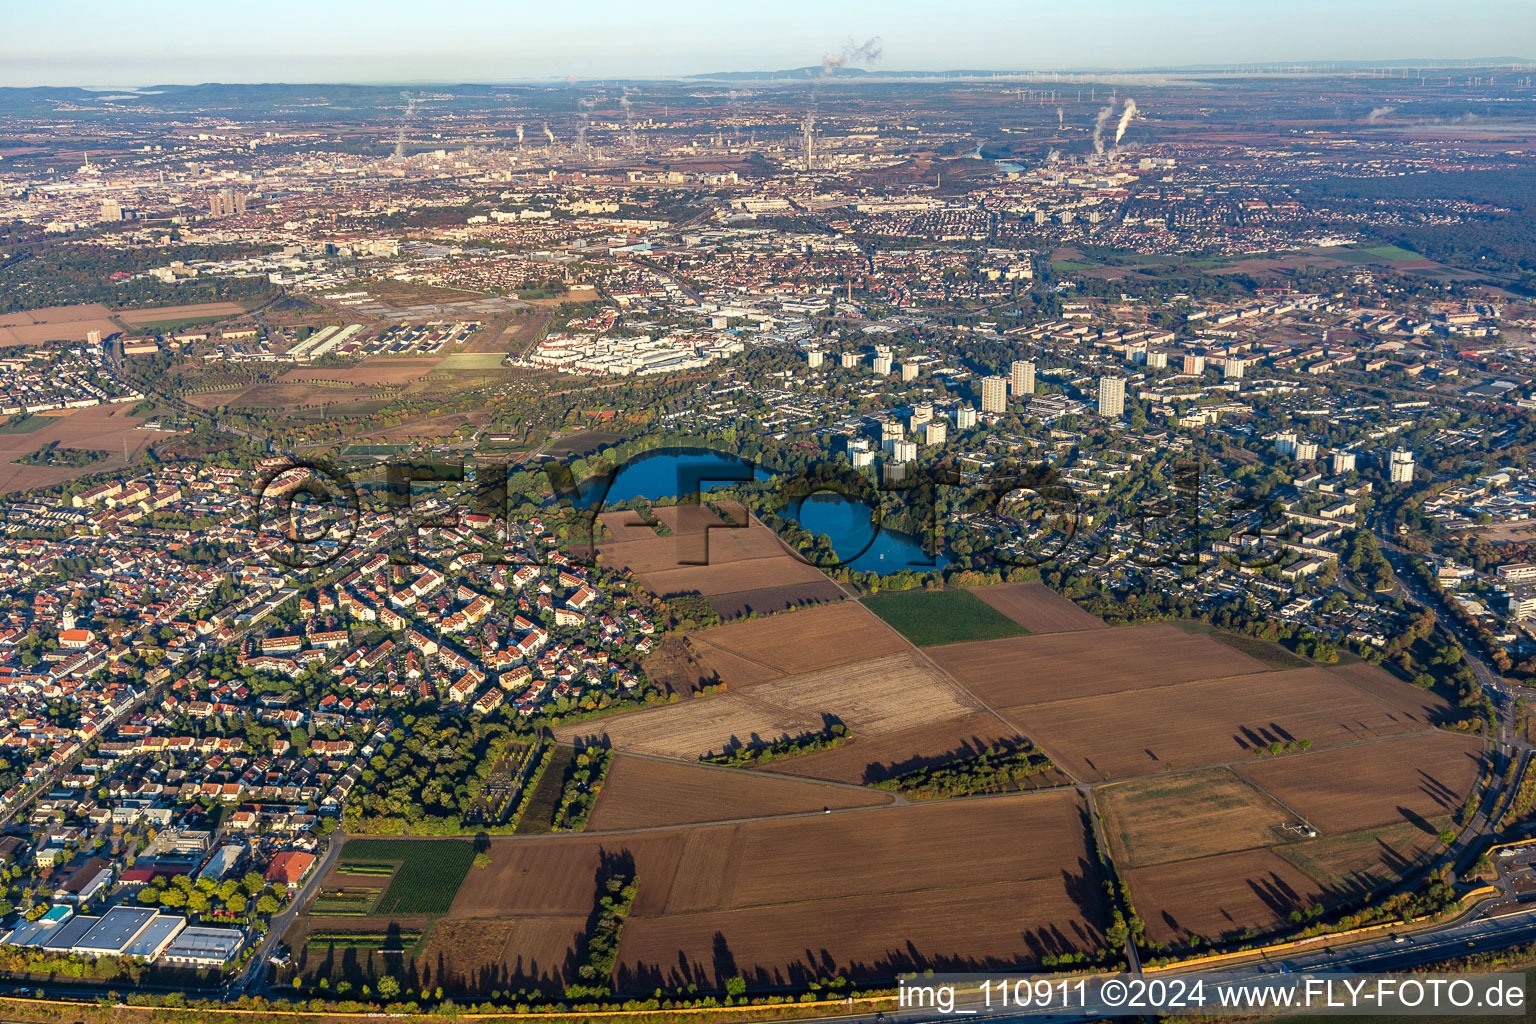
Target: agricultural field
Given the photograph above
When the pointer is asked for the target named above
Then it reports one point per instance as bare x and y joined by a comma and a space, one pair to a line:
346, 898
1215, 721
873, 697
380, 371
865, 760
1060, 666
1037, 608
929, 618
774, 889
685, 665
808, 639
103, 428
873, 936
1154, 821
641, 793
748, 569
1410, 778
1220, 895
196, 311
423, 874
539, 816
55, 323
1354, 863
689, 730
1270, 654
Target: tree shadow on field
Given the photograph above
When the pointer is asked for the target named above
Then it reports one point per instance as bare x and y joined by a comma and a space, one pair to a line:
710, 969
875, 771
1276, 894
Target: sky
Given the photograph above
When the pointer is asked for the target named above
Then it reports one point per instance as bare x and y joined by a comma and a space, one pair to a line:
117, 43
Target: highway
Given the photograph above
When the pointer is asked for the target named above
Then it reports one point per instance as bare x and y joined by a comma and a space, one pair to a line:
1390, 953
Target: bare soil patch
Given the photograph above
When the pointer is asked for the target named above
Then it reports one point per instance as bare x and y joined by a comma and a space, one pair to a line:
1036, 669
740, 570
1220, 895
1411, 778
379, 371
1193, 725
105, 428
873, 698
1038, 608
155, 315
864, 936
689, 730
640, 793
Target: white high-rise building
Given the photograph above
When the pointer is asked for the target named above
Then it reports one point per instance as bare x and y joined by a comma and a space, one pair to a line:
1157, 359
850, 360
994, 394
903, 451
882, 366
1306, 451
908, 371
1285, 442
1023, 378
1112, 396
1400, 468
935, 432
1194, 365
1232, 368
1343, 462
814, 358
965, 418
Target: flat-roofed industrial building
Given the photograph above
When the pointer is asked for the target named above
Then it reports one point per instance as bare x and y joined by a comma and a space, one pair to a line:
204, 947
114, 931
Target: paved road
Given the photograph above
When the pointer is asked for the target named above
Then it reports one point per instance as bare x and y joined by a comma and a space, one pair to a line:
1388, 954
254, 980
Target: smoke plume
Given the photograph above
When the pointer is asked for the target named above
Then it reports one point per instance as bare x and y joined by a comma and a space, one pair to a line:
1125, 120
410, 112
865, 53
1377, 113
1098, 129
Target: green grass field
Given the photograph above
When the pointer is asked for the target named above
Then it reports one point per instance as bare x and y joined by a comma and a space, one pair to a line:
1270, 654
539, 816
1392, 252
26, 424
430, 874
929, 618
172, 325
472, 361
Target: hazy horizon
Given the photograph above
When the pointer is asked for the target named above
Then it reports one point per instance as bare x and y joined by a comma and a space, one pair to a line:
115, 46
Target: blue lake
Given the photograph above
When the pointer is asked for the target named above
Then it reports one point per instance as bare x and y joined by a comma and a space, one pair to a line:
668, 475
662, 477
848, 525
